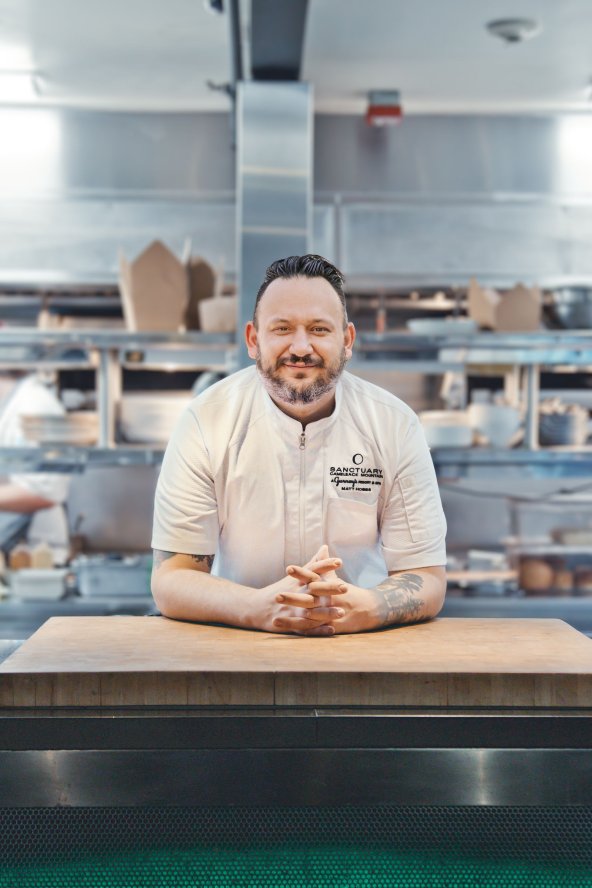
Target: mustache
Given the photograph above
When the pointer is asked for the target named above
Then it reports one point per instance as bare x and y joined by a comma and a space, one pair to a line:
305, 359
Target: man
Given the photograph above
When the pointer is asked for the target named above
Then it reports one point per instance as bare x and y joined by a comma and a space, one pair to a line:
297, 463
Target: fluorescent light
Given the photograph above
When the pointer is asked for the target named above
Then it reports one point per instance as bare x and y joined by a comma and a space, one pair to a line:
15, 58
30, 150
18, 86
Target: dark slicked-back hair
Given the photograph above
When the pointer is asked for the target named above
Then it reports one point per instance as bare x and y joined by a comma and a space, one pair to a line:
310, 266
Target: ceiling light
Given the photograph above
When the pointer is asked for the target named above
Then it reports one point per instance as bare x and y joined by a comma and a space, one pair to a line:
514, 30
18, 86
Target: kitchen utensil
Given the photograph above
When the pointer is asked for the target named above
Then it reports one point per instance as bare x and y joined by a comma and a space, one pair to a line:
570, 307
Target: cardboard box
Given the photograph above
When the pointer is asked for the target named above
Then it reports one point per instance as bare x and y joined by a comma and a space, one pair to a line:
154, 290
204, 283
517, 310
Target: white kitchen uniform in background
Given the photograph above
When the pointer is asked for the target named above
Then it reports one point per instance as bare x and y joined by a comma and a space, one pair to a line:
31, 397
242, 480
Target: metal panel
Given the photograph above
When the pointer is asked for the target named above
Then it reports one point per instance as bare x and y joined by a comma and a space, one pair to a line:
68, 240
438, 155
514, 240
479, 777
274, 182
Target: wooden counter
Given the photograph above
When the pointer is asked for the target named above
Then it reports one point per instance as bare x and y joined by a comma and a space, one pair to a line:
153, 661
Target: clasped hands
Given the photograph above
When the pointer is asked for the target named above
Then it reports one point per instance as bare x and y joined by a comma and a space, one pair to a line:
307, 606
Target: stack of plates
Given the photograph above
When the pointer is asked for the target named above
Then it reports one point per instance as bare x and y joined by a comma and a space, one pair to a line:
149, 417
78, 428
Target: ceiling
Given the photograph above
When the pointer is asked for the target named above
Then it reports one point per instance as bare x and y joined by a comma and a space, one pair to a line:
155, 55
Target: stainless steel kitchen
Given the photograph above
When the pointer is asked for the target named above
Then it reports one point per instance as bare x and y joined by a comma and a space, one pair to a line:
432, 161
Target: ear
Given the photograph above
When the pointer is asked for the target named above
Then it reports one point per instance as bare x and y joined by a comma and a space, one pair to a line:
349, 337
251, 339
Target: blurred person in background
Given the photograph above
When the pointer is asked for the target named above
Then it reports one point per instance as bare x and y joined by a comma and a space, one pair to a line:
31, 504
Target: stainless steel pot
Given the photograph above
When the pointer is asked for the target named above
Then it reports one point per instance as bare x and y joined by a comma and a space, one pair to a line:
570, 307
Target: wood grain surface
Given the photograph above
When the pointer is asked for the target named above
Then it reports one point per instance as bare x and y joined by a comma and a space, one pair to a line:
152, 661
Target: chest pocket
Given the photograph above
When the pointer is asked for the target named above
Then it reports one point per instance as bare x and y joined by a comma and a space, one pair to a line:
351, 523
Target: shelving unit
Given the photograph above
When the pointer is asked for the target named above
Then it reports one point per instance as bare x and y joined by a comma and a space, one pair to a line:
107, 352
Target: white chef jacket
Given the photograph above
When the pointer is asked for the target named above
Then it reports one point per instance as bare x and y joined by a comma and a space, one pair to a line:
240, 479
50, 525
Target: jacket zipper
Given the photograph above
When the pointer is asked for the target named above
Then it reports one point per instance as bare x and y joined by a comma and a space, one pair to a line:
301, 492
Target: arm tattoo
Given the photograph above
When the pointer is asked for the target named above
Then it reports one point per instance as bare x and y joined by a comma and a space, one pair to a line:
397, 599
159, 556
199, 559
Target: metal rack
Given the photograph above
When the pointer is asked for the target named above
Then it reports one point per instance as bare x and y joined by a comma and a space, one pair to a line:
108, 352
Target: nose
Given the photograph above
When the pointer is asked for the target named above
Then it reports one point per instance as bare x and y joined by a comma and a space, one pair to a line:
300, 344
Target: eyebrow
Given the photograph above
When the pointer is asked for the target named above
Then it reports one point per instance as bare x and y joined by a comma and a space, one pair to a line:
288, 321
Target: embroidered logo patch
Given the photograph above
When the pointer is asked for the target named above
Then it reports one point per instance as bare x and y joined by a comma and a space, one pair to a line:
358, 477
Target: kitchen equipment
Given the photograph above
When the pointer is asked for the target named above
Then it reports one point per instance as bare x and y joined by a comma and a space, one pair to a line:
498, 423
570, 307
446, 428
109, 576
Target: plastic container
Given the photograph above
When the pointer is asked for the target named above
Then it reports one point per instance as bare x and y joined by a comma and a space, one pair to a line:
100, 576
446, 428
48, 584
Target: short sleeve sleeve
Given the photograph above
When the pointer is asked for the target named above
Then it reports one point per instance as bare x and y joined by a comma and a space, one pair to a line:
185, 509
413, 526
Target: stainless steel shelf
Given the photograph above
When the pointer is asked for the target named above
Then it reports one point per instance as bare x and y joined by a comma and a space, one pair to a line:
449, 462
551, 348
66, 459
549, 462
110, 350
577, 611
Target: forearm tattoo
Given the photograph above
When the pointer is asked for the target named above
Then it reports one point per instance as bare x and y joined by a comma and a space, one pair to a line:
159, 556
398, 599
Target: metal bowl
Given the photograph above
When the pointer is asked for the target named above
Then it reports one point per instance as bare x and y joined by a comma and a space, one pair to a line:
570, 307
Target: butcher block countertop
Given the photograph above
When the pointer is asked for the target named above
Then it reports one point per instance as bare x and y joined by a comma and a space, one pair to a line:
153, 661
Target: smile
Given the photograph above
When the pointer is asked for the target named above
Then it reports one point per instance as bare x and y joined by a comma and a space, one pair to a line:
300, 366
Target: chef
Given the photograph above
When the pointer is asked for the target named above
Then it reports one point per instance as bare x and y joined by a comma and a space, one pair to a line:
31, 505
295, 497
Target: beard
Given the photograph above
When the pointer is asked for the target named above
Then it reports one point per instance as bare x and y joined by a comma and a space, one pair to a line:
280, 389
